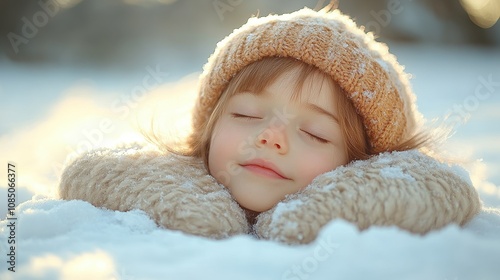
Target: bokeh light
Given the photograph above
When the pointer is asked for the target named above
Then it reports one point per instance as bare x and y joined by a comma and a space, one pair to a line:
484, 13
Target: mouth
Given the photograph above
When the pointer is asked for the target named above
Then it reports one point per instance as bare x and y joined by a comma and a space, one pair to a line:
264, 168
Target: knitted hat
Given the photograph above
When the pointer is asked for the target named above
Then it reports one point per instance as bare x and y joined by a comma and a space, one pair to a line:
370, 76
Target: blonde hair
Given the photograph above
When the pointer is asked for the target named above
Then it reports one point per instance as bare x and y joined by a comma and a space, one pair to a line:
255, 78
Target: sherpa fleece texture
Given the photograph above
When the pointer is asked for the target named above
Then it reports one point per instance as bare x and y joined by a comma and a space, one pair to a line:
405, 189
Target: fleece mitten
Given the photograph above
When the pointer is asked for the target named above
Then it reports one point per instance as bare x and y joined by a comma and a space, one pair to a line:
405, 189
174, 191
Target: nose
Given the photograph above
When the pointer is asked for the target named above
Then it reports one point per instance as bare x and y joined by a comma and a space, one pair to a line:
273, 138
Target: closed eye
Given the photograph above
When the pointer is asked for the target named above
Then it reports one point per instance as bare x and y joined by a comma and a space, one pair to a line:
315, 138
241, 116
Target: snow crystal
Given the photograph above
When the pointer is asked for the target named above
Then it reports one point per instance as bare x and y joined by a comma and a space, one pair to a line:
384, 159
332, 53
362, 68
368, 94
359, 173
250, 37
396, 173
284, 207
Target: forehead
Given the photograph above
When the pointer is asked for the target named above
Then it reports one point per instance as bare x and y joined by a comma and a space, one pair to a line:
292, 78
313, 87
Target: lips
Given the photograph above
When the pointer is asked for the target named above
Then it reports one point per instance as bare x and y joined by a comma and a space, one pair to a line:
265, 168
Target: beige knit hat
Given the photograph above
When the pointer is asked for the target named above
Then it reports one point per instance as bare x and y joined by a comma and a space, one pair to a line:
370, 76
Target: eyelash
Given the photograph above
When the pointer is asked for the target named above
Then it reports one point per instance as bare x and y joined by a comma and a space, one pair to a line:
240, 116
312, 136
316, 138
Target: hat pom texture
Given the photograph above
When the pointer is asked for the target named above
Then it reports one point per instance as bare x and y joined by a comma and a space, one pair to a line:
369, 75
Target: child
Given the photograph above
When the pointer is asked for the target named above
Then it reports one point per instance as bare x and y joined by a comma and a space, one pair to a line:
301, 119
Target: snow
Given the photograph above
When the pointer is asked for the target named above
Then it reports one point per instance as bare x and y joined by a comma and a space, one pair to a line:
368, 94
285, 207
395, 172
74, 240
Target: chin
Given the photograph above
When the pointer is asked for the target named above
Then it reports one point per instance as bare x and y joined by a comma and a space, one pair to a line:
255, 206
258, 209
255, 198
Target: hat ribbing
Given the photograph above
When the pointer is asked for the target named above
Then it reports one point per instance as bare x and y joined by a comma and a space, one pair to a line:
370, 76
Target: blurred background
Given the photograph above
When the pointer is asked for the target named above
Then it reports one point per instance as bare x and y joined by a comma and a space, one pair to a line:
79, 74
128, 33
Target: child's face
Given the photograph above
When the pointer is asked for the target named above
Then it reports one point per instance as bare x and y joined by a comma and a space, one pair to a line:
268, 145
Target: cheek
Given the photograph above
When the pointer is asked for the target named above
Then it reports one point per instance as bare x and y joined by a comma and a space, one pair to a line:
223, 148
316, 163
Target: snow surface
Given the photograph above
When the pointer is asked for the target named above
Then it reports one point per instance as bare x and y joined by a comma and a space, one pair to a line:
73, 240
